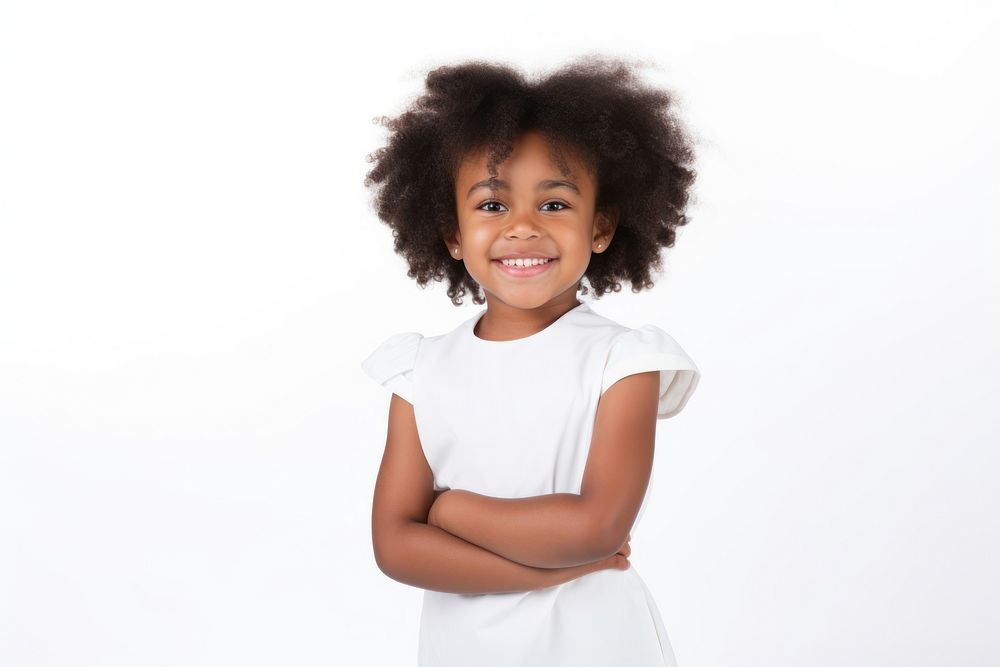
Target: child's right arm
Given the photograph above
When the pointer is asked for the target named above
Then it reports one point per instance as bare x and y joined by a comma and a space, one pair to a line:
412, 552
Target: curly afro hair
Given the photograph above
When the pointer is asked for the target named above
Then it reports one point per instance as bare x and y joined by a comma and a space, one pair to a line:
596, 108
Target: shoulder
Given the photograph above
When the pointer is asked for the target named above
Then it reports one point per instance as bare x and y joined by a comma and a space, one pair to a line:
650, 348
647, 339
398, 349
391, 363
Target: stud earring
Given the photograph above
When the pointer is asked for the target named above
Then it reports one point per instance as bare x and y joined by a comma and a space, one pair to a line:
599, 245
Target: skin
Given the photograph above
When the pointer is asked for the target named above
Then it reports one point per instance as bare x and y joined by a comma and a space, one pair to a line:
565, 529
412, 551
556, 220
463, 542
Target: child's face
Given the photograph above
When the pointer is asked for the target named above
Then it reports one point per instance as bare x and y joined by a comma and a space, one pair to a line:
532, 208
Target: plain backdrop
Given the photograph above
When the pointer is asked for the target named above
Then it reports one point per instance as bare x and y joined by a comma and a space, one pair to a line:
191, 274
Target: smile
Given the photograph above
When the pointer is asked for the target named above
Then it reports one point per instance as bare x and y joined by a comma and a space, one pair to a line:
523, 271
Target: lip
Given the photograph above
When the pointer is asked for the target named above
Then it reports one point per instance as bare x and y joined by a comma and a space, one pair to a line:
523, 271
526, 255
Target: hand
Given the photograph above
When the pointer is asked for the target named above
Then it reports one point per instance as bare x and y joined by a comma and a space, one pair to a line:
620, 558
625, 549
433, 515
617, 561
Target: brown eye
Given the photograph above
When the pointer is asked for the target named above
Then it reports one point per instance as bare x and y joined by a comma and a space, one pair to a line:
487, 203
551, 203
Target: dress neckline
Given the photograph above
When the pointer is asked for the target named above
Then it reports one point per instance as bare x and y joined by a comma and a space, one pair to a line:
471, 328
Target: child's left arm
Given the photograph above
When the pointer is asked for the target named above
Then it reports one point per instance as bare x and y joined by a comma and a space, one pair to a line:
567, 529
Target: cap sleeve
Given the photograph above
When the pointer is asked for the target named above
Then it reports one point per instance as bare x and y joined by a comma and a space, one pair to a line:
391, 363
650, 348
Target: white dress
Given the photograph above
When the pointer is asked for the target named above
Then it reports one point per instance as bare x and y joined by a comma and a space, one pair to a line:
538, 396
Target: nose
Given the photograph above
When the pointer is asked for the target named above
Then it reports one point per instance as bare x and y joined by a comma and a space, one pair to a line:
523, 226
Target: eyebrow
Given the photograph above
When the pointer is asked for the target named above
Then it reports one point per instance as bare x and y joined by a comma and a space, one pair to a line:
497, 184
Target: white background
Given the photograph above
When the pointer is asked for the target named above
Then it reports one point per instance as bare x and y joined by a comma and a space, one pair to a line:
190, 275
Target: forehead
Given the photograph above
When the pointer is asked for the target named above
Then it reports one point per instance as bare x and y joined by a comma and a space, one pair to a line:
531, 150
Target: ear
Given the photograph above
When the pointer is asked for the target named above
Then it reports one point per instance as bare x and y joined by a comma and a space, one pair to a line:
605, 224
453, 242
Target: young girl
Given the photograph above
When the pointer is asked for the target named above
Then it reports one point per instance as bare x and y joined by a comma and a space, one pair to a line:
520, 444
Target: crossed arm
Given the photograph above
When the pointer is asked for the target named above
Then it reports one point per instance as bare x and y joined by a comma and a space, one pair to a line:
566, 529
555, 530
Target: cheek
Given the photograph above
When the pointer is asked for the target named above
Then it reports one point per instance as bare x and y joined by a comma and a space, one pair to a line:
574, 242
479, 241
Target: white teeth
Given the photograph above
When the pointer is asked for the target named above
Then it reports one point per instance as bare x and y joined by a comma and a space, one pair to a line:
533, 261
